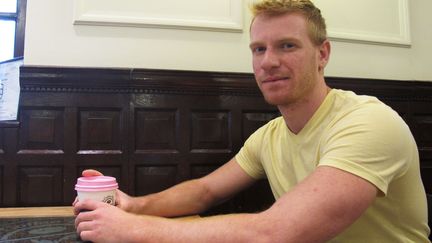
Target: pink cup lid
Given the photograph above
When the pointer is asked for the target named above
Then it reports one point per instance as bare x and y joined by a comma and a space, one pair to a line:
96, 183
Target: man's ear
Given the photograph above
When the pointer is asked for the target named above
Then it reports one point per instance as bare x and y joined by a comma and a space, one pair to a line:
324, 54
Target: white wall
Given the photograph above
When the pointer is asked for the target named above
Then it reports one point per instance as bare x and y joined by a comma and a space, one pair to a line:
53, 40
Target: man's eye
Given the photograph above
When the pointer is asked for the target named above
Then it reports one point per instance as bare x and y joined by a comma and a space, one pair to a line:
258, 49
287, 46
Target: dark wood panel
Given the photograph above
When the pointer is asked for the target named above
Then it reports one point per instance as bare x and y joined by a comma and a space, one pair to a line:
1, 184
426, 168
151, 179
154, 128
2, 143
40, 186
100, 130
198, 171
41, 128
422, 122
210, 131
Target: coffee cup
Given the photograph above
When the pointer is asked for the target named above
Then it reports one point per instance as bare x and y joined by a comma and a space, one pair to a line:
98, 188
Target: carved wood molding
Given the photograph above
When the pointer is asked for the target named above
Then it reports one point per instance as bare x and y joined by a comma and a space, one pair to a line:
158, 81
395, 90
100, 80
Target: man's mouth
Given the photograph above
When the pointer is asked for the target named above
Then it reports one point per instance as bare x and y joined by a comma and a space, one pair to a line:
274, 79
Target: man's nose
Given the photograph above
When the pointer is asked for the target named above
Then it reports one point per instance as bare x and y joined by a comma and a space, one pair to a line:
270, 60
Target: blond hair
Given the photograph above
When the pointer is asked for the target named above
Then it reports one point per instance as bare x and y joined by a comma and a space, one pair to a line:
316, 23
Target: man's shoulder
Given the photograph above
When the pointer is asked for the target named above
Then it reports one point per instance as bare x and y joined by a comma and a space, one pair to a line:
349, 102
348, 98
352, 110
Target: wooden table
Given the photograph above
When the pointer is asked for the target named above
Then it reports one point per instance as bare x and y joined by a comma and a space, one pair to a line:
36, 212
38, 224
50, 224
41, 212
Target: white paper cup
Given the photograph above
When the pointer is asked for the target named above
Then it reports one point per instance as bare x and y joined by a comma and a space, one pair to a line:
98, 188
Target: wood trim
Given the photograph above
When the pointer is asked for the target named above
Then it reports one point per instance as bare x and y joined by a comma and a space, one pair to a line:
158, 81
20, 28
154, 81
33, 212
385, 89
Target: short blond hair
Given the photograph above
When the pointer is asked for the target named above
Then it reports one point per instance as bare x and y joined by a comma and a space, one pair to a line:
316, 23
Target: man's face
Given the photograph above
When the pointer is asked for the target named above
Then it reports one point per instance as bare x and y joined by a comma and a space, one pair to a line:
287, 65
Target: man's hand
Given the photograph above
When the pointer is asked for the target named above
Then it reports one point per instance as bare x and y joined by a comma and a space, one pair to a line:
106, 223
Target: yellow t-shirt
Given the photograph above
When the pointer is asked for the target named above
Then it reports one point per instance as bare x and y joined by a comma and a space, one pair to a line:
358, 134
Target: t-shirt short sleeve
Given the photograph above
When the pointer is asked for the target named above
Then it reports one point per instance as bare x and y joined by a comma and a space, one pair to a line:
249, 155
371, 142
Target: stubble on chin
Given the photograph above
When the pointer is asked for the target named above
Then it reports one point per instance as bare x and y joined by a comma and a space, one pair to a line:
278, 98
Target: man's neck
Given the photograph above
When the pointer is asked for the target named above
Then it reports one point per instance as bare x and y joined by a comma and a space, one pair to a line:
297, 115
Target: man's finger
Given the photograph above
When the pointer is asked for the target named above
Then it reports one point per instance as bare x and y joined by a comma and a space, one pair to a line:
91, 172
86, 205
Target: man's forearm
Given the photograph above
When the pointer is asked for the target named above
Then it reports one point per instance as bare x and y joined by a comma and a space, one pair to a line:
224, 228
186, 198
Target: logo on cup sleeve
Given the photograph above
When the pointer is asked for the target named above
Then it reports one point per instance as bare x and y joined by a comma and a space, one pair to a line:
109, 200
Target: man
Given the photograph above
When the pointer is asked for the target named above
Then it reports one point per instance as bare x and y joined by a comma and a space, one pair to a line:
342, 167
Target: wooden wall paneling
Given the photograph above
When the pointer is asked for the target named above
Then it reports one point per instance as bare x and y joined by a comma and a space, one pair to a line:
132, 155
239, 125
70, 104
40, 186
212, 122
151, 178
102, 135
7, 148
70, 148
426, 170
2, 182
28, 165
155, 128
99, 131
2, 144
156, 149
40, 155
211, 131
2, 164
421, 125
212, 135
9, 166
54, 113
41, 130
155, 156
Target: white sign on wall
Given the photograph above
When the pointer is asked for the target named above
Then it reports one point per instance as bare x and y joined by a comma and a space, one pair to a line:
9, 89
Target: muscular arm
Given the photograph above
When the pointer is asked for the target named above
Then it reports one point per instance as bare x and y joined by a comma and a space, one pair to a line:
316, 210
194, 196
